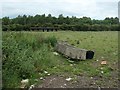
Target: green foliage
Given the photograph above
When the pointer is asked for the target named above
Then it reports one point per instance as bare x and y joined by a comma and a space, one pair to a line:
64, 23
52, 40
5, 21
23, 57
25, 54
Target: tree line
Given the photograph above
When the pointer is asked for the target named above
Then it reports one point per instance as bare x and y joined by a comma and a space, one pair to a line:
24, 22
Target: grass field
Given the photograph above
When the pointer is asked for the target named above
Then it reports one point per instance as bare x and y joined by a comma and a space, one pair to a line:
33, 53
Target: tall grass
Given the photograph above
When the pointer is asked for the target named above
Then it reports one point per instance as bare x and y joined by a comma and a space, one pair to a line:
24, 55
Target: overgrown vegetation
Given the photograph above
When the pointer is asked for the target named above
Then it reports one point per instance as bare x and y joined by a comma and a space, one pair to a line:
24, 56
29, 54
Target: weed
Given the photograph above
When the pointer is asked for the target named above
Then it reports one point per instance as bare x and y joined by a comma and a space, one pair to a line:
29, 54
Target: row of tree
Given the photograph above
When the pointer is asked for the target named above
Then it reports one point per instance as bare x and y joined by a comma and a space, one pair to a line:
63, 23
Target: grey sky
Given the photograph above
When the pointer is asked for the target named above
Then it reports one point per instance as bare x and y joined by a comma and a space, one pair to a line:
97, 9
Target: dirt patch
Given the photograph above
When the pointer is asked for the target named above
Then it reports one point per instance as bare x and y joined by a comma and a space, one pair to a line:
54, 81
58, 81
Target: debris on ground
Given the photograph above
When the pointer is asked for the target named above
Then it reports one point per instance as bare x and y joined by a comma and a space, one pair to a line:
45, 72
91, 77
102, 72
65, 84
103, 62
48, 74
24, 83
55, 53
56, 81
41, 78
70, 61
31, 87
68, 79
97, 60
71, 65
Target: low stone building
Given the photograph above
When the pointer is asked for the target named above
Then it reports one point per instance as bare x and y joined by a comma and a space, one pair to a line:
44, 29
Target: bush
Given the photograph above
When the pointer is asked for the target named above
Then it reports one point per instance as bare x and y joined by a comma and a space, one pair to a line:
23, 57
51, 40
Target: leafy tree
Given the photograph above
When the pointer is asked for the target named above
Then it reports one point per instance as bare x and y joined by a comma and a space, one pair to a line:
64, 23
5, 21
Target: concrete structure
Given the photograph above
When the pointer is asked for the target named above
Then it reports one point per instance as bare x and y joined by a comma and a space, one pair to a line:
73, 52
44, 28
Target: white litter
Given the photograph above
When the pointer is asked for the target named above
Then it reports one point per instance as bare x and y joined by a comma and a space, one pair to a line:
61, 86
41, 78
25, 81
102, 72
31, 87
48, 74
68, 79
91, 77
104, 62
55, 53
45, 72
65, 84
70, 61
71, 65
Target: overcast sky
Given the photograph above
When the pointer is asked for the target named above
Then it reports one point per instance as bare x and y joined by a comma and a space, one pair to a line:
96, 9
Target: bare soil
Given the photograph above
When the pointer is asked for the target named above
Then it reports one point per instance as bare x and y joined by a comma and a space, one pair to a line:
59, 81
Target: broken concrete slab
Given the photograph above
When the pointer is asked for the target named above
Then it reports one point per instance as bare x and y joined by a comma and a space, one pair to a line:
73, 52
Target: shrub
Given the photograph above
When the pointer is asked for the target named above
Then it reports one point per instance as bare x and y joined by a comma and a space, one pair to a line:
23, 56
51, 40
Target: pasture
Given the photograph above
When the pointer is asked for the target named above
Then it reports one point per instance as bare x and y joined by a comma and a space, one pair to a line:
28, 55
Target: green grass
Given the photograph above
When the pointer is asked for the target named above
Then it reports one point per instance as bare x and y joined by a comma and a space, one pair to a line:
31, 53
